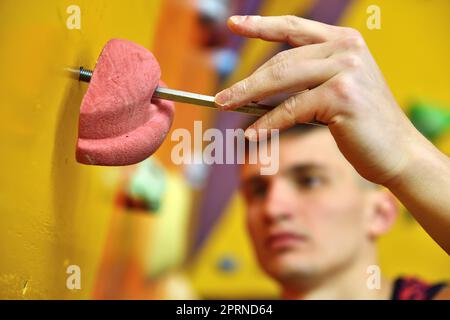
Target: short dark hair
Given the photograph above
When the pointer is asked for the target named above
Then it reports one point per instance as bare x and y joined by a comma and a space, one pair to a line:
298, 129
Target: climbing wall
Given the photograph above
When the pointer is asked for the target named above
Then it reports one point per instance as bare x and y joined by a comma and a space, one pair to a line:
54, 212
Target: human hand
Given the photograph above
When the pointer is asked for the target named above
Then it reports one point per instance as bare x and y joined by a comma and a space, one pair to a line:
347, 92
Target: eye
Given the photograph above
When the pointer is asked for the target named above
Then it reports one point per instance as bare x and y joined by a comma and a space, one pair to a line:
255, 190
309, 181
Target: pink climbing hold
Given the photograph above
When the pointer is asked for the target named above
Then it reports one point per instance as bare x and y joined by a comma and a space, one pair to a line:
120, 123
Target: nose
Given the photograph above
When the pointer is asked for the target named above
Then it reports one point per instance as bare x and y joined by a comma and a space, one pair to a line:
278, 204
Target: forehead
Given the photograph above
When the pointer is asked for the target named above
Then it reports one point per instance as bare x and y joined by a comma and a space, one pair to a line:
316, 147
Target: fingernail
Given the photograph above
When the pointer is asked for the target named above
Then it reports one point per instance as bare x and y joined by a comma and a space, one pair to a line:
222, 99
237, 19
250, 134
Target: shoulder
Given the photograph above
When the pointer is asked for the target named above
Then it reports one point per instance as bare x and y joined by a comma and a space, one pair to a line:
410, 288
444, 294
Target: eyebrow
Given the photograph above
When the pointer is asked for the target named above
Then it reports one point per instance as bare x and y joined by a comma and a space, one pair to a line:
292, 170
304, 168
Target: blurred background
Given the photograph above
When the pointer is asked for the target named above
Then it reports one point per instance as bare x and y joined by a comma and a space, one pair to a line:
158, 230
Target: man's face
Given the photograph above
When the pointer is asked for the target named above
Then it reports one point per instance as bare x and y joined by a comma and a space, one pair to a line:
309, 218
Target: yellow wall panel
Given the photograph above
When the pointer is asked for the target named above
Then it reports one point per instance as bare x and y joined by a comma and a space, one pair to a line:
53, 211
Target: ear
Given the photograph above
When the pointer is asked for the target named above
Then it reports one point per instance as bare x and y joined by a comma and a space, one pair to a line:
384, 213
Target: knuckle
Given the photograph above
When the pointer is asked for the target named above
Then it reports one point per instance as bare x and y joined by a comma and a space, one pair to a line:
279, 70
342, 88
265, 122
292, 21
292, 26
358, 42
241, 88
350, 32
289, 109
354, 43
279, 57
350, 61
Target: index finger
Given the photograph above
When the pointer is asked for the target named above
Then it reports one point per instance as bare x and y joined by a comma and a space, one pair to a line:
290, 29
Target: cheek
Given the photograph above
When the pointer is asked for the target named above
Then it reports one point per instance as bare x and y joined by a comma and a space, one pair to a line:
254, 222
337, 219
